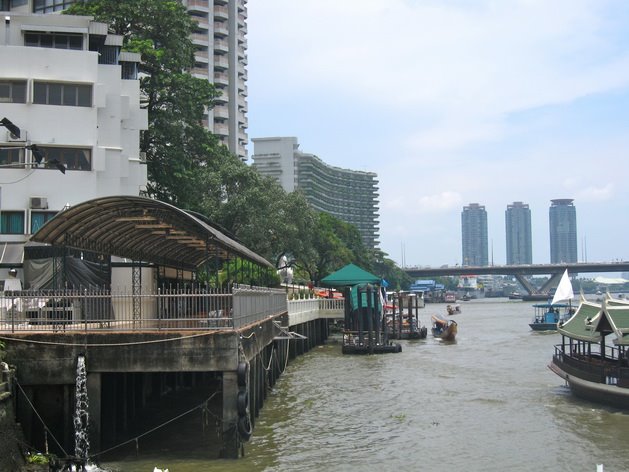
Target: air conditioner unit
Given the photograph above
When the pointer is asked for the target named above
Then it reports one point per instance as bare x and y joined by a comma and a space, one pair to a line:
38, 203
12, 139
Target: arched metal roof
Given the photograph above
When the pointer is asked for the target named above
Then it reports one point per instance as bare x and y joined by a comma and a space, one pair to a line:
141, 229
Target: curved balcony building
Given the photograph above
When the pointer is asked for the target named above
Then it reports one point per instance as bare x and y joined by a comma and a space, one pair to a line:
349, 195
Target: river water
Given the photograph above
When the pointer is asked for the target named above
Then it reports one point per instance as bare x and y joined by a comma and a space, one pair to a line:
487, 402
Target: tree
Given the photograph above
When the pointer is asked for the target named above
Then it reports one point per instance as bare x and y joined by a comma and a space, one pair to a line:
182, 156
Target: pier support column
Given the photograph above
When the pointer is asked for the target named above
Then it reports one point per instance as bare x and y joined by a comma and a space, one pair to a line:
94, 397
230, 415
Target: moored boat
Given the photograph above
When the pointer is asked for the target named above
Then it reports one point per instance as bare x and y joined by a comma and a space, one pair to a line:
443, 329
402, 316
592, 356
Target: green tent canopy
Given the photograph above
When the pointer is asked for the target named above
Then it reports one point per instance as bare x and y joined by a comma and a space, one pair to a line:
349, 275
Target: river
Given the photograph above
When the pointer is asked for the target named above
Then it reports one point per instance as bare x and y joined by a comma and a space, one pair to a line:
487, 402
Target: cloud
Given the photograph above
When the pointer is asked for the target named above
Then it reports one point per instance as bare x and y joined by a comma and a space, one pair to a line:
597, 194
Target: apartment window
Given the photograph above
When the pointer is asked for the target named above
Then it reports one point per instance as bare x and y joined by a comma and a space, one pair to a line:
12, 91
53, 93
12, 222
53, 40
72, 158
48, 6
38, 218
11, 157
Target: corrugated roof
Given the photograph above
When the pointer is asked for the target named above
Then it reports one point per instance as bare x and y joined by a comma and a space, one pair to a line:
142, 229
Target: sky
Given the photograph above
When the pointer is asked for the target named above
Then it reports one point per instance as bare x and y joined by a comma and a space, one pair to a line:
454, 102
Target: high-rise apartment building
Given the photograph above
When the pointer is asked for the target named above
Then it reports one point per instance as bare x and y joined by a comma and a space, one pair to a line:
518, 234
349, 195
562, 218
221, 58
474, 235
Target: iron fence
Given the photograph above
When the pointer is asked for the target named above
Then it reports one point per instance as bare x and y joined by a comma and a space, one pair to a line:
168, 308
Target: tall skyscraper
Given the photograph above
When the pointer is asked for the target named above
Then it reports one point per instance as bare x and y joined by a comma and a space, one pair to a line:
474, 235
349, 195
518, 233
220, 57
562, 218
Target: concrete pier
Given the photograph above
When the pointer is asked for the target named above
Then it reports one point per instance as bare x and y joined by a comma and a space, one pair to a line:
130, 375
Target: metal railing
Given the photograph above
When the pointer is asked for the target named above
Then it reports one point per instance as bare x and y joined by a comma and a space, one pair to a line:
167, 309
296, 307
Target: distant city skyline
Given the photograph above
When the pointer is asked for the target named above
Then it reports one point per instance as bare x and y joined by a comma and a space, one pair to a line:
490, 102
561, 243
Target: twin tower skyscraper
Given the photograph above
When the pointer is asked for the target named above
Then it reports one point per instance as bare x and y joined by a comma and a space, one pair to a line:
562, 222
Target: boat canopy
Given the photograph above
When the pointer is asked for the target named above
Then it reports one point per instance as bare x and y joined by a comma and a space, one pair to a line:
582, 324
592, 321
619, 320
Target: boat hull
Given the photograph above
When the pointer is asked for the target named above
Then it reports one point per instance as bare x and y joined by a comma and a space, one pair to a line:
543, 326
611, 395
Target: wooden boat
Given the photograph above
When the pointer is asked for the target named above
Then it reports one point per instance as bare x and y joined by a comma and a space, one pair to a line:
453, 309
443, 329
593, 355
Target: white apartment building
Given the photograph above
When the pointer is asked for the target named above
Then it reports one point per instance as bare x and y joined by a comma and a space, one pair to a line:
221, 58
75, 97
349, 195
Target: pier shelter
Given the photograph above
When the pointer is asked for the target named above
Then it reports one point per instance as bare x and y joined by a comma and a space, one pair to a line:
222, 342
364, 328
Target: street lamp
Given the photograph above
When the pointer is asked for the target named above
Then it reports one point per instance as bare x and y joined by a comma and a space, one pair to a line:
37, 153
14, 130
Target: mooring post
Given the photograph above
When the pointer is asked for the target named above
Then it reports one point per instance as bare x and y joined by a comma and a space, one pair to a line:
230, 415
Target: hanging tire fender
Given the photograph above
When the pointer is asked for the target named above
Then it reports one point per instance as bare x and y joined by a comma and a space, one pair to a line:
242, 373
242, 403
244, 428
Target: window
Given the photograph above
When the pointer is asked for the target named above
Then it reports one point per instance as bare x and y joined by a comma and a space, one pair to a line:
12, 91
53, 40
52, 93
11, 157
72, 158
48, 6
38, 218
12, 222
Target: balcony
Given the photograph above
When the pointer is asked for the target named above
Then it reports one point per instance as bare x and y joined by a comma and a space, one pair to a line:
221, 63
221, 29
200, 39
221, 13
221, 46
202, 6
221, 78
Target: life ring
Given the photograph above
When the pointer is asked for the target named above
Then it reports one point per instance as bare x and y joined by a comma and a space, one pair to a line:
244, 428
243, 403
242, 373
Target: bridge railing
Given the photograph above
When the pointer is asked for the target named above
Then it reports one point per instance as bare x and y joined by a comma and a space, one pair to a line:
198, 308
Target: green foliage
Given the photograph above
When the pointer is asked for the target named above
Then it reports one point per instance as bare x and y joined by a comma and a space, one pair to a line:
182, 156
37, 459
188, 166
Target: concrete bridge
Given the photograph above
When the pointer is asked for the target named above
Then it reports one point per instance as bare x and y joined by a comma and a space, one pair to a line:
520, 271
